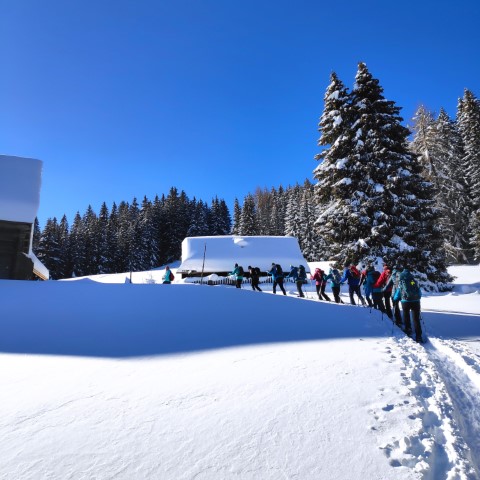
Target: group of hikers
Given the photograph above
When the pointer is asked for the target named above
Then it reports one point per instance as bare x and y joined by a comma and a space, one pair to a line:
384, 291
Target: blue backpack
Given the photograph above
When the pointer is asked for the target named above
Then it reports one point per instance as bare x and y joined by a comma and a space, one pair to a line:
409, 289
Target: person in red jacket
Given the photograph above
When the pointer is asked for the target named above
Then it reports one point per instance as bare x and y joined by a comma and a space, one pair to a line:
320, 284
383, 282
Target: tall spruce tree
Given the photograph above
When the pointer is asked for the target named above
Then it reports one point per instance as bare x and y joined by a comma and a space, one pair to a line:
248, 221
373, 199
237, 217
333, 188
468, 117
438, 147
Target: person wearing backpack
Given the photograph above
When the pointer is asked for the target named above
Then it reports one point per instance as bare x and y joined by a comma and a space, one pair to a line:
302, 277
238, 274
392, 285
352, 276
383, 281
367, 286
277, 276
168, 277
255, 277
410, 295
319, 277
373, 278
335, 277
295, 276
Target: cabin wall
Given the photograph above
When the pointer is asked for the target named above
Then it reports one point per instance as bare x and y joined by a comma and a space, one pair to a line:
14, 248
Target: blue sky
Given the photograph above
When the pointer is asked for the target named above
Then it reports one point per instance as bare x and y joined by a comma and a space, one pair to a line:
122, 99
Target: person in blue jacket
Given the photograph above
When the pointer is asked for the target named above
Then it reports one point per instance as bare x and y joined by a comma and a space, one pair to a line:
409, 293
352, 276
277, 277
294, 276
238, 274
335, 278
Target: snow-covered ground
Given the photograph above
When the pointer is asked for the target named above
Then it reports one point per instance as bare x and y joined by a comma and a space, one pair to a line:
109, 380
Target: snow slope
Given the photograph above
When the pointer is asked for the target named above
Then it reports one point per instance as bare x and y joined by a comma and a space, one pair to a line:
183, 381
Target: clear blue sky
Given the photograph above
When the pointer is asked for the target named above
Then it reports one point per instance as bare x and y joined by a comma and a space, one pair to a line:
216, 97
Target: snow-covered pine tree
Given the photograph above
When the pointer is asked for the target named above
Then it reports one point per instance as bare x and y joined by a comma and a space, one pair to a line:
224, 219
64, 247
468, 118
77, 246
37, 233
376, 202
279, 209
438, 146
148, 236
338, 217
237, 217
48, 251
308, 236
248, 221
102, 240
199, 222
292, 213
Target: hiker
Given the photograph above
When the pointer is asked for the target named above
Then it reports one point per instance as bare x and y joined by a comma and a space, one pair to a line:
255, 277
320, 284
335, 277
351, 275
294, 275
392, 285
277, 276
410, 294
373, 277
238, 274
168, 277
302, 278
367, 286
383, 281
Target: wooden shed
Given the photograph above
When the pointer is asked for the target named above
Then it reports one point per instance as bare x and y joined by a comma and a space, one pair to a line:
20, 180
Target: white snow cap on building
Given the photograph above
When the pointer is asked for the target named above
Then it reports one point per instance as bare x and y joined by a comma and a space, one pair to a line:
20, 180
222, 252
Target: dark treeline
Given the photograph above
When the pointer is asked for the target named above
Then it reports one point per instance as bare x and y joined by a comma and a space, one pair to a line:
128, 237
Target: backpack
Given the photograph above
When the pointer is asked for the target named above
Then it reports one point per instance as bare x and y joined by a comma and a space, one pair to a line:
172, 276
256, 270
355, 273
409, 289
336, 276
375, 275
302, 274
240, 270
278, 271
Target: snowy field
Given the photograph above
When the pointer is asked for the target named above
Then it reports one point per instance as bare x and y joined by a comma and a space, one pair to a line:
102, 379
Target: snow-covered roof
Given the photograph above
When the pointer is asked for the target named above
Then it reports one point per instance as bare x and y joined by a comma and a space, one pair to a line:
20, 180
222, 252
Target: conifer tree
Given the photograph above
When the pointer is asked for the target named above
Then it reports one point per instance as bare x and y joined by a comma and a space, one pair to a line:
237, 217
77, 247
372, 197
64, 248
49, 250
248, 222
438, 147
333, 189
468, 117
37, 233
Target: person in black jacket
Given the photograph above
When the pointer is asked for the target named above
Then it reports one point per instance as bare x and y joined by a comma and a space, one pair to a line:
255, 277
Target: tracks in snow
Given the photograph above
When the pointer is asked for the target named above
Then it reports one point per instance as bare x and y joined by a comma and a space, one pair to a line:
443, 380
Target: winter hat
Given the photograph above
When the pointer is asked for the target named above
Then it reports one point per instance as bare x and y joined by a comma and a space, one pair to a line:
236, 264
